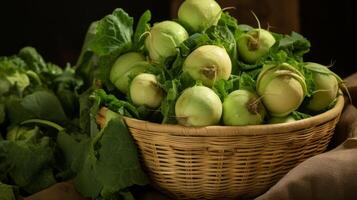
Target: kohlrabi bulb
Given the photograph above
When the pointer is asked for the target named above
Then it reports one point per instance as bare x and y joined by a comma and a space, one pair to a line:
282, 88
198, 15
198, 106
123, 68
254, 45
326, 87
208, 63
242, 107
145, 90
163, 40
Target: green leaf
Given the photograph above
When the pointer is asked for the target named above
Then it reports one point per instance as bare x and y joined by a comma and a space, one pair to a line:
2, 112
124, 108
310, 83
33, 59
299, 115
224, 87
118, 167
295, 44
194, 41
126, 195
44, 105
243, 28
223, 36
229, 21
85, 105
87, 62
142, 27
15, 111
110, 163
247, 82
113, 34
168, 104
35, 63
86, 180
9, 192
27, 156
66, 88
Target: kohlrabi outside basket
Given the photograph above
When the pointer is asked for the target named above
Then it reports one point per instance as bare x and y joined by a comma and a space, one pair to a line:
222, 162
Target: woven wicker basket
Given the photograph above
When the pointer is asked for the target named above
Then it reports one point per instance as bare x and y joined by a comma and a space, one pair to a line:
223, 162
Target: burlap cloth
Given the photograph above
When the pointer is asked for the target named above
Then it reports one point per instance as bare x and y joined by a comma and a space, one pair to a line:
328, 176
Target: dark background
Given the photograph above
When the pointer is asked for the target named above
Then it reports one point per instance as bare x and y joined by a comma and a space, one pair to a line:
57, 28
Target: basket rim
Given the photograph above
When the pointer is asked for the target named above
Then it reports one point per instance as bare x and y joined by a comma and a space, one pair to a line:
262, 129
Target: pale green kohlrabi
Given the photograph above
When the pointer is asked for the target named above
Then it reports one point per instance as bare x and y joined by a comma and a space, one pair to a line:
326, 87
282, 88
254, 45
208, 63
242, 107
163, 40
145, 91
129, 64
199, 15
198, 106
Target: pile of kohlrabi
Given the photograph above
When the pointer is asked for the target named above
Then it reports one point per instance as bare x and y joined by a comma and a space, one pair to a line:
203, 69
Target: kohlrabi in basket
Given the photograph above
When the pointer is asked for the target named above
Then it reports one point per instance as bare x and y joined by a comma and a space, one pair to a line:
145, 90
198, 106
242, 107
124, 66
326, 86
163, 40
181, 70
199, 15
254, 44
208, 64
282, 88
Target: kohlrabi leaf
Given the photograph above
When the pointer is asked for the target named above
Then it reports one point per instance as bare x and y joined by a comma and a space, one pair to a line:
2, 112
243, 28
168, 104
9, 192
86, 65
113, 34
295, 44
224, 87
221, 35
33, 59
229, 21
299, 115
141, 28
124, 108
118, 167
247, 82
44, 105
66, 87
309, 80
43, 72
194, 41
29, 158
107, 170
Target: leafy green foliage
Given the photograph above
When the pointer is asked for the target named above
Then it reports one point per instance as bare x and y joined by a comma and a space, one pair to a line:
122, 107
28, 155
8, 192
224, 87
113, 34
107, 170
141, 29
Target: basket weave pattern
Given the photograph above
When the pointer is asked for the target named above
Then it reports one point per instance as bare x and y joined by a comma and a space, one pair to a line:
228, 162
